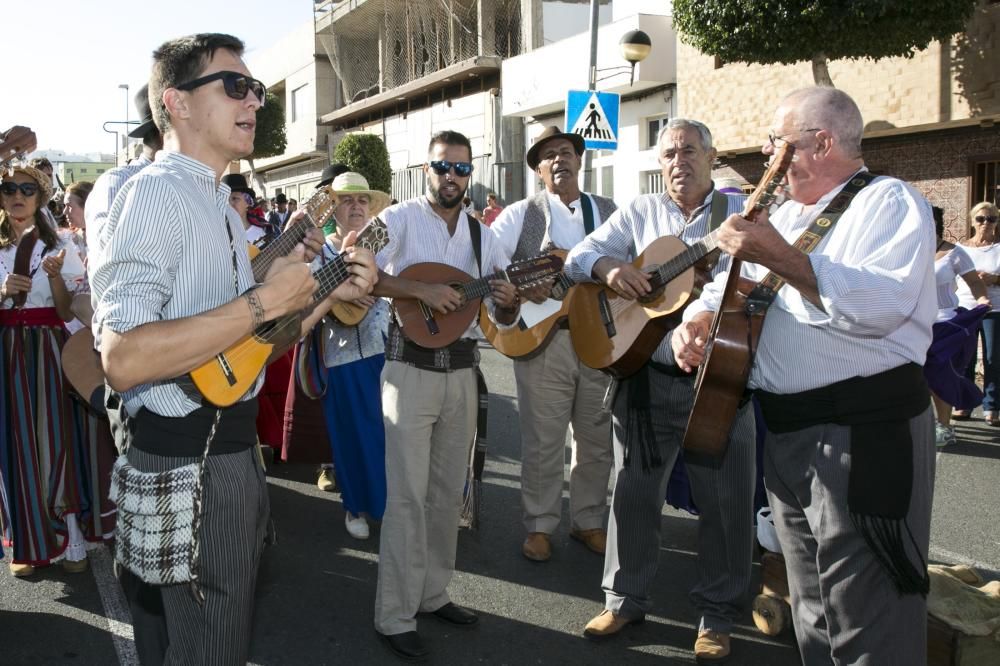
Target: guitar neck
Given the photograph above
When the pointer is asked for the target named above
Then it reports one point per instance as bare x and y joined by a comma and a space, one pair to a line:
479, 287
280, 246
701, 248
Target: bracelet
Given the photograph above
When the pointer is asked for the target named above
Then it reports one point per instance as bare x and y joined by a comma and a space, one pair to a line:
256, 309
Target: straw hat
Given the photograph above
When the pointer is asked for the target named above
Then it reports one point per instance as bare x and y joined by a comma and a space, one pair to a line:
44, 182
354, 183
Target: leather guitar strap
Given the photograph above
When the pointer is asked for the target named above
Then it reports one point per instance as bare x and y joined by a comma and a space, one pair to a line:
761, 297
22, 262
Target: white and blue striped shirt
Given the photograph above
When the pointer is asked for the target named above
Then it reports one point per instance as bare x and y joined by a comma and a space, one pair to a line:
99, 204
630, 230
168, 256
875, 273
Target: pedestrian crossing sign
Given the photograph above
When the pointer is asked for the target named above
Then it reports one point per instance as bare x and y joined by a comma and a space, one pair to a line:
594, 116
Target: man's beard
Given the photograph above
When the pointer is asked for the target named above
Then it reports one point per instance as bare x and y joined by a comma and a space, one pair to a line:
445, 202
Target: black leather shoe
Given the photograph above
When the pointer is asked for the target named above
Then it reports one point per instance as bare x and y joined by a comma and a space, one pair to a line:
406, 646
456, 615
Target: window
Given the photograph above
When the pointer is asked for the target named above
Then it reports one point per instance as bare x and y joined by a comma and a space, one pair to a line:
653, 127
651, 182
83, 169
299, 103
985, 179
608, 182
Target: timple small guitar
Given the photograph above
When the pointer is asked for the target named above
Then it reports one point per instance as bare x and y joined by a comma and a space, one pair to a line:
319, 207
351, 314
227, 377
523, 340
722, 377
434, 330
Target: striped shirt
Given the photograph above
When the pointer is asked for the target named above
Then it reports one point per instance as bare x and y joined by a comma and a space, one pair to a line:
875, 273
168, 256
418, 234
633, 228
101, 197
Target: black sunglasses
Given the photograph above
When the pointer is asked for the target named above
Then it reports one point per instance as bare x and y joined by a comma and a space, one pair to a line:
989, 219
237, 85
441, 167
27, 189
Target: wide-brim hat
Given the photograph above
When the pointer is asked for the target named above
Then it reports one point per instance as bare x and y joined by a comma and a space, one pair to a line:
145, 113
332, 172
354, 183
44, 182
548, 134
237, 182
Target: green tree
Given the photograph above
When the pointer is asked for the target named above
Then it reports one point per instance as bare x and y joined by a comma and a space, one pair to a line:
367, 155
269, 138
786, 32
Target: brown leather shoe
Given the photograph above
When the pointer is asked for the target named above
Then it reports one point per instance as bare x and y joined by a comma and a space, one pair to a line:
595, 539
537, 547
712, 647
607, 624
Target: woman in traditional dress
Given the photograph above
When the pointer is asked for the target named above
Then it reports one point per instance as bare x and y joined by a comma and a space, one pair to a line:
354, 356
41, 478
984, 249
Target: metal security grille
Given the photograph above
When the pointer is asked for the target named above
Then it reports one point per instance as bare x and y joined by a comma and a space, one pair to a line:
378, 45
986, 180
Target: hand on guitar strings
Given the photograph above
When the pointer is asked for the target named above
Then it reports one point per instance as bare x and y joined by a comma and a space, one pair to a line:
504, 293
625, 279
538, 293
757, 242
288, 286
356, 288
440, 297
314, 238
688, 341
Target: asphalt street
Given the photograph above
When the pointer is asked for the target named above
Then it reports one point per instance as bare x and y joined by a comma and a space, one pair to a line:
316, 588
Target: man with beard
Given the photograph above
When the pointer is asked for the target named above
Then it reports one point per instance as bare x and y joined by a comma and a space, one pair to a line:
651, 410
554, 388
430, 400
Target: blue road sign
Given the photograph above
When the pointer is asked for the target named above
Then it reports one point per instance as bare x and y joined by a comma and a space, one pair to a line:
594, 116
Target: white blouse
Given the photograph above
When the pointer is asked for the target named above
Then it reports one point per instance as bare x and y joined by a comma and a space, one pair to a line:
986, 259
946, 269
40, 296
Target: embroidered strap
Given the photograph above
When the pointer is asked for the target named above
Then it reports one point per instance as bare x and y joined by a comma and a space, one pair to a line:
767, 289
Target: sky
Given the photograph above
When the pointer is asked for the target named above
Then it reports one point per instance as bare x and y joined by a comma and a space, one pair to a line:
64, 59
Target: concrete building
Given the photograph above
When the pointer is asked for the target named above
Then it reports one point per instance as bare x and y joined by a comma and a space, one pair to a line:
68, 168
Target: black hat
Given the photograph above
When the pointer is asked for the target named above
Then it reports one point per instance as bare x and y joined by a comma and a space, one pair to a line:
280, 198
549, 133
332, 172
142, 105
237, 183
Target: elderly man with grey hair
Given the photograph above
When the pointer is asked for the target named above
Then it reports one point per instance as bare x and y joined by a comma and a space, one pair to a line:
650, 413
849, 455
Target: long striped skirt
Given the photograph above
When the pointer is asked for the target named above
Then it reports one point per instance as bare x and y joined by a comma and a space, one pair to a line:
41, 475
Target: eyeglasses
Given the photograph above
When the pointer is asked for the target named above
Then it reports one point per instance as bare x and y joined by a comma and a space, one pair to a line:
773, 140
988, 219
237, 85
27, 189
441, 167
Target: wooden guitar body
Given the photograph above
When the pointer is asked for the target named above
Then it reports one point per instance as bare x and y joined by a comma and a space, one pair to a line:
618, 336
525, 342
428, 328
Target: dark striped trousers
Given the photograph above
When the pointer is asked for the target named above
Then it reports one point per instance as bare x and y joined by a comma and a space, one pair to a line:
723, 493
235, 512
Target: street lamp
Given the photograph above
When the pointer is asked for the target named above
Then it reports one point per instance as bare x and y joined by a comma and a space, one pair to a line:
124, 86
635, 45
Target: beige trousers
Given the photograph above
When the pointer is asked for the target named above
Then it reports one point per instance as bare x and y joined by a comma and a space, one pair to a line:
430, 420
555, 391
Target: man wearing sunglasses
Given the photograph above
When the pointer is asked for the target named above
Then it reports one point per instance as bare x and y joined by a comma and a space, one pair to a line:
430, 399
174, 288
554, 389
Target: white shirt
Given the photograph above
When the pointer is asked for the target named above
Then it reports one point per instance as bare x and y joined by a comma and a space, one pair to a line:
40, 295
946, 269
986, 259
565, 228
168, 256
630, 230
418, 234
100, 199
875, 275
254, 233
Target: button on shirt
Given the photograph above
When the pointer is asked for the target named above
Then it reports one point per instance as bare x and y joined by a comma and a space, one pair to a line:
565, 228
632, 229
168, 256
418, 234
875, 273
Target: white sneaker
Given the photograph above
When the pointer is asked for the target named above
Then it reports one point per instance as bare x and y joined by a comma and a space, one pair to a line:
943, 435
357, 526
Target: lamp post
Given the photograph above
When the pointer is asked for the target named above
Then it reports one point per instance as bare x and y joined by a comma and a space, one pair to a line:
635, 45
124, 86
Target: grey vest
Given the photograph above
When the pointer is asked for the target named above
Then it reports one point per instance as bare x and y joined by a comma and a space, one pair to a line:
537, 217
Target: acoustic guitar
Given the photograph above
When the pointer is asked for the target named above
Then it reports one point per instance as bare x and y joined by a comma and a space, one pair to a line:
431, 329
229, 375
15, 143
618, 335
319, 207
524, 341
733, 337
348, 313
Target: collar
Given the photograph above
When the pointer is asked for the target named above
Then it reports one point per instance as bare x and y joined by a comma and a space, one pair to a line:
828, 197
555, 200
202, 174
705, 204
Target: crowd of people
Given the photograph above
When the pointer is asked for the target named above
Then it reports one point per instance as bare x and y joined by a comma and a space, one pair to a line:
867, 347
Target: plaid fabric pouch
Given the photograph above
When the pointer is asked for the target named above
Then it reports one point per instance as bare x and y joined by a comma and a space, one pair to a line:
156, 534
